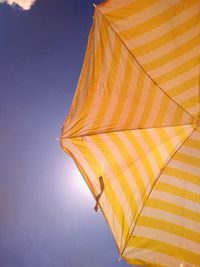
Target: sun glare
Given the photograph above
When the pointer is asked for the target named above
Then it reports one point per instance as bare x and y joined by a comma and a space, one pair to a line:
78, 182
73, 185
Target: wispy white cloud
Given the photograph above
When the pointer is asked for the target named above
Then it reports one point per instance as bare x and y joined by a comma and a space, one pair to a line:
24, 4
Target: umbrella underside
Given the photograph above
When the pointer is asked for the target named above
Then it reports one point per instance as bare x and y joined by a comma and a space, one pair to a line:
134, 127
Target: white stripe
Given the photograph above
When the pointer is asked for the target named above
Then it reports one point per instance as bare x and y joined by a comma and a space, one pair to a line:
173, 64
143, 16
129, 95
172, 136
180, 79
190, 169
169, 114
191, 151
196, 137
185, 94
154, 257
143, 174
178, 201
171, 239
160, 30
114, 183
171, 218
194, 110
182, 184
129, 144
170, 46
185, 118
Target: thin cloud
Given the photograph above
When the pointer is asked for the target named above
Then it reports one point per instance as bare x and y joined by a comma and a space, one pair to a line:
24, 4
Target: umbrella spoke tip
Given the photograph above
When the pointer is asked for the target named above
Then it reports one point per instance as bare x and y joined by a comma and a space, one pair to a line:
196, 124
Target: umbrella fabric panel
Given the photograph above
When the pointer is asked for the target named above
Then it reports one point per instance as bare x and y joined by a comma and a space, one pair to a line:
115, 93
164, 38
129, 162
133, 128
169, 223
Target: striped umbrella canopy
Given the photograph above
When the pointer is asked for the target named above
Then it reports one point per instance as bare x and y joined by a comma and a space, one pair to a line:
134, 127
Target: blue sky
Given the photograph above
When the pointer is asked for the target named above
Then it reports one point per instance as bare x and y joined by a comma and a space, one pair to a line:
47, 216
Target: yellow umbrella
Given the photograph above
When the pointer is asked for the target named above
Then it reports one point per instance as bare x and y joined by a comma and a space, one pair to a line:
134, 127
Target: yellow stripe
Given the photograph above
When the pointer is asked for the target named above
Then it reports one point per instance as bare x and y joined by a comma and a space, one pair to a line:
143, 262
136, 101
193, 143
164, 105
190, 102
109, 83
122, 97
194, 161
152, 92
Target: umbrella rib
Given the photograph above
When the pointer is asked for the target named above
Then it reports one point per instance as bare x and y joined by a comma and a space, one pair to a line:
162, 170
113, 29
118, 131
199, 87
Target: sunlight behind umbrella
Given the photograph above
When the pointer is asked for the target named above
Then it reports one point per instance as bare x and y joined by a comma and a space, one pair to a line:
78, 184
